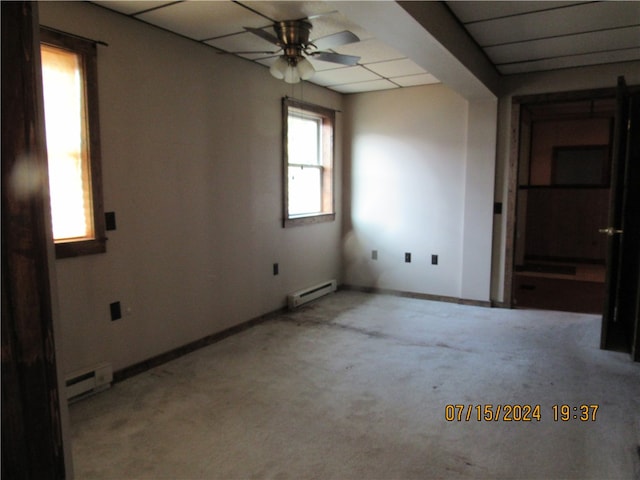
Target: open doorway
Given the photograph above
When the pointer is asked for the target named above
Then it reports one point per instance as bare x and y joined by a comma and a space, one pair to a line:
563, 188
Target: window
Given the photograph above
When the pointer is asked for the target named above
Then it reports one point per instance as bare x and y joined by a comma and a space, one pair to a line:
308, 163
69, 78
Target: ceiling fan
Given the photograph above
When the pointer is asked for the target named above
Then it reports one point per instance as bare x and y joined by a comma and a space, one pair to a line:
292, 38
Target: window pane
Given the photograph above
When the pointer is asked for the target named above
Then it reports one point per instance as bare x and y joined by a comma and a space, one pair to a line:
66, 144
305, 190
304, 140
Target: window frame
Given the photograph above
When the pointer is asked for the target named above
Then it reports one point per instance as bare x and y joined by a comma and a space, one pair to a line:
87, 51
326, 165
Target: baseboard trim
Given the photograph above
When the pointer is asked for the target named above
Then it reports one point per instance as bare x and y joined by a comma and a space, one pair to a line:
153, 362
420, 296
141, 367
497, 304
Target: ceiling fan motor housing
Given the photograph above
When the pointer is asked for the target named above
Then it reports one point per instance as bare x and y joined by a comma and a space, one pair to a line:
293, 36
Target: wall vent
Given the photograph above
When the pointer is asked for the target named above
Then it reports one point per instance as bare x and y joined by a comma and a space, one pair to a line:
89, 380
306, 295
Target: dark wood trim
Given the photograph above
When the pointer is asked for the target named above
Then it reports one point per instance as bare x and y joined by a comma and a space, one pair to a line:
80, 37
419, 296
309, 219
158, 360
555, 97
31, 426
564, 187
512, 200
580, 260
312, 107
496, 304
328, 170
80, 248
519, 102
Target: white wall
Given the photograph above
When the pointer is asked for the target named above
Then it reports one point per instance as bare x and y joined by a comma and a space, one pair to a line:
419, 173
191, 160
478, 206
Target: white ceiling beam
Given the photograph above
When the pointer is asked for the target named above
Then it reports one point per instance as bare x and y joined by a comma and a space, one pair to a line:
428, 33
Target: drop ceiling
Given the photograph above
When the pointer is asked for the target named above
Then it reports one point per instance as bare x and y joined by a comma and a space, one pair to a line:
530, 36
220, 24
516, 36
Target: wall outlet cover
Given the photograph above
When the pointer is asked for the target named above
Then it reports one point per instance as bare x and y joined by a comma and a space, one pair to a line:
110, 220
116, 311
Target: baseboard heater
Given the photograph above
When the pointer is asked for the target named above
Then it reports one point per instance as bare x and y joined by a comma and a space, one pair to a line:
306, 295
89, 380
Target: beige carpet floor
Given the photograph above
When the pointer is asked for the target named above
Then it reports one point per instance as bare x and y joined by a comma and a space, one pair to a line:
355, 386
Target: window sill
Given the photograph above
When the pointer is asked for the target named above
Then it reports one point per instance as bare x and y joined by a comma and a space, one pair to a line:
308, 220
80, 248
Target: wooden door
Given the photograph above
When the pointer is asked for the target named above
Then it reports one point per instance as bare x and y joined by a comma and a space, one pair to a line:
31, 428
620, 324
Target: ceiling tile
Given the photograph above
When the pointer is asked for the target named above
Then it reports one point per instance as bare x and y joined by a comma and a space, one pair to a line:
131, 7
288, 10
414, 80
341, 76
575, 19
244, 42
204, 20
396, 68
473, 11
370, 51
602, 41
360, 87
324, 20
566, 62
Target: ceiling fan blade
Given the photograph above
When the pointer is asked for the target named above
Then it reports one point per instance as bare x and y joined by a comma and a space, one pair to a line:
336, 58
264, 35
335, 40
318, 15
247, 52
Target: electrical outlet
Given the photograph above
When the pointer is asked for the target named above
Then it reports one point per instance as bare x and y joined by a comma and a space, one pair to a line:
276, 269
434, 259
116, 311
374, 254
407, 257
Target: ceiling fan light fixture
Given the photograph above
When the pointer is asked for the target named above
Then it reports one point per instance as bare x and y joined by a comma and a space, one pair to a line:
292, 38
305, 69
279, 67
291, 75
292, 69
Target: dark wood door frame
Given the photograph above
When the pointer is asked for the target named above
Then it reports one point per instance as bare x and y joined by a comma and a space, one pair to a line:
620, 323
513, 166
32, 445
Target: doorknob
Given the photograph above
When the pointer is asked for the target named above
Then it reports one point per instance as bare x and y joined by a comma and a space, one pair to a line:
609, 231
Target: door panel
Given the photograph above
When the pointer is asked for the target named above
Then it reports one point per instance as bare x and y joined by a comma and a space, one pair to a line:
620, 316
